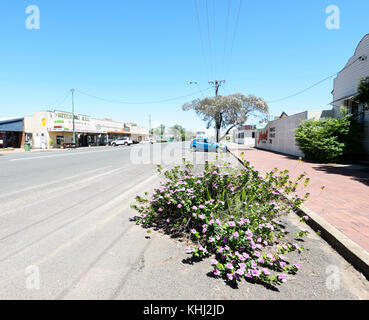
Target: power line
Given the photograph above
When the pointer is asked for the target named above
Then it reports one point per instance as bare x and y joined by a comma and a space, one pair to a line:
234, 34
201, 38
209, 38
61, 99
313, 85
226, 34
143, 102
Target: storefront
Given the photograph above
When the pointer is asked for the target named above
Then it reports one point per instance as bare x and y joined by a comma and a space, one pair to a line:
60, 128
12, 133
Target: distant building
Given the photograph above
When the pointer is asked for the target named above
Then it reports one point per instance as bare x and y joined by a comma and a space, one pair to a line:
12, 132
45, 129
245, 135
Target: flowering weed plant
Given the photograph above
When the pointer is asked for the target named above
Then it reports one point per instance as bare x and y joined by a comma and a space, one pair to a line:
229, 214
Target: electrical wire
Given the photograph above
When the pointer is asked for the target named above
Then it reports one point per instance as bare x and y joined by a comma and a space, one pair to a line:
313, 85
143, 102
226, 34
201, 38
234, 35
209, 39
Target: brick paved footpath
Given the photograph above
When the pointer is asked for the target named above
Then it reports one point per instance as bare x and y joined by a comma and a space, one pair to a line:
344, 202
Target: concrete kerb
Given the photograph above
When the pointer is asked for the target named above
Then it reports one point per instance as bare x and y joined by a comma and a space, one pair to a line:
348, 249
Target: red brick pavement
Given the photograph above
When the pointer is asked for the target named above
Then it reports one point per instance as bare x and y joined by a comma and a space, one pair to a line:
344, 202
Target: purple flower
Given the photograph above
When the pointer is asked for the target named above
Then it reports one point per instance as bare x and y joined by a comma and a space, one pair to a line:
266, 272
216, 272
257, 254
214, 262
230, 276
229, 266
240, 272
282, 277
188, 250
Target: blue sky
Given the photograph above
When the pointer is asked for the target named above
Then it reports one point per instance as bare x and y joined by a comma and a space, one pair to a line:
145, 50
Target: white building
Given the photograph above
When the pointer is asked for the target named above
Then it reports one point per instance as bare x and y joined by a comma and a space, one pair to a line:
279, 134
346, 84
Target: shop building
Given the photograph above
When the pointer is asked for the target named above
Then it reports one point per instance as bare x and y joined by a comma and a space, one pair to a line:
45, 129
12, 132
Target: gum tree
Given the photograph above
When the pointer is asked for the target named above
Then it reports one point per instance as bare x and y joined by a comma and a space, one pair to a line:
227, 112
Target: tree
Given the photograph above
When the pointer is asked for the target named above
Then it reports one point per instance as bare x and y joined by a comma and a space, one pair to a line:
226, 112
363, 92
331, 139
158, 131
178, 132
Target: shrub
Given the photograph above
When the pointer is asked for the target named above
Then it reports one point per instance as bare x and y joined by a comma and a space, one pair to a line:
230, 214
330, 140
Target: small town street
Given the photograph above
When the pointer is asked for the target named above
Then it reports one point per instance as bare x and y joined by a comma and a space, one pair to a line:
65, 218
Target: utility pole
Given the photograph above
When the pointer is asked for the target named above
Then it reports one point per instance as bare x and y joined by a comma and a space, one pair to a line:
217, 84
74, 132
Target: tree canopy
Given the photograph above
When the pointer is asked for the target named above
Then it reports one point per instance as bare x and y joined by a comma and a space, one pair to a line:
227, 112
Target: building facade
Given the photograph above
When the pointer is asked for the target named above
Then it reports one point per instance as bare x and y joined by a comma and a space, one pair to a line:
279, 135
346, 83
45, 129
12, 133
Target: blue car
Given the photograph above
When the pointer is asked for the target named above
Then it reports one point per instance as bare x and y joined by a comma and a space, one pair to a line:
206, 144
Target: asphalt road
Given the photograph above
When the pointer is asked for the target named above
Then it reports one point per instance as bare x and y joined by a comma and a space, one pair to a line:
66, 233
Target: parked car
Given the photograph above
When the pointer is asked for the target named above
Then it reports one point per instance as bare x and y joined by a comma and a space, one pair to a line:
207, 144
122, 142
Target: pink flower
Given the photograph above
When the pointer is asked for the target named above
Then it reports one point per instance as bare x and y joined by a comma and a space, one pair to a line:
179, 206
257, 253
201, 206
211, 239
216, 272
282, 277
214, 262
229, 266
160, 209
193, 231
194, 208
188, 250
266, 272
231, 224
240, 272
201, 216
168, 220
230, 276
297, 266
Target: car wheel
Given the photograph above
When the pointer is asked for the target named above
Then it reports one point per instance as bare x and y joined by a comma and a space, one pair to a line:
114, 144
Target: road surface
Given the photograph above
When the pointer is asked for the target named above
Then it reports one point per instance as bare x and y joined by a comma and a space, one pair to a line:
66, 233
